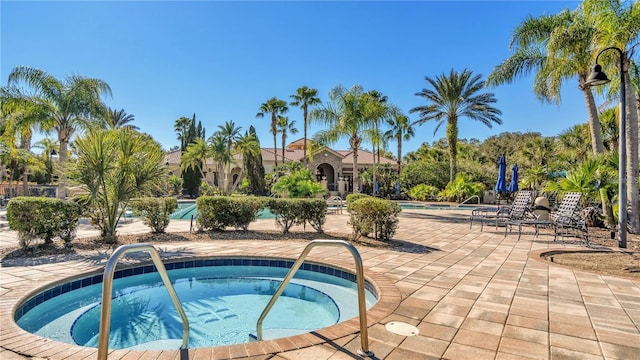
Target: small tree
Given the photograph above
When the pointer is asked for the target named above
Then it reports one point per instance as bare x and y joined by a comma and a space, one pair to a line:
115, 166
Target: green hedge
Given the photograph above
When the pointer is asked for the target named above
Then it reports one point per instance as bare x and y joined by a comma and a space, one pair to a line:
155, 212
43, 218
353, 197
217, 212
373, 215
289, 212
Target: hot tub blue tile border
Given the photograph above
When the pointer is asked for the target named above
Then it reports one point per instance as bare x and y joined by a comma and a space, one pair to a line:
186, 264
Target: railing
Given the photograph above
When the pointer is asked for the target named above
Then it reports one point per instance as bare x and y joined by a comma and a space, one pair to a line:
469, 199
362, 309
107, 288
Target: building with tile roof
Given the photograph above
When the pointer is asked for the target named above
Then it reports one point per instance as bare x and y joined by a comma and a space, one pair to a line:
333, 168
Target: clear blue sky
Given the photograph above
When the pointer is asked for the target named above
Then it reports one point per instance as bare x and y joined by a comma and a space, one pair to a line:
221, 60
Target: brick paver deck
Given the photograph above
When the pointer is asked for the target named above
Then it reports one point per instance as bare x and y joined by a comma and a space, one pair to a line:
472, 295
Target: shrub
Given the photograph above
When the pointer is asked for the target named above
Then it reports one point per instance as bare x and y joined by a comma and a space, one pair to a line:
298, 184
461, 188
217, 212
423, 192
373, 215
43, 218
314, 211
289, 212
353, 197
155, 212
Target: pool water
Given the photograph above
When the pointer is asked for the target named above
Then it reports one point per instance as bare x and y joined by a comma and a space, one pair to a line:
222, 304
187, 209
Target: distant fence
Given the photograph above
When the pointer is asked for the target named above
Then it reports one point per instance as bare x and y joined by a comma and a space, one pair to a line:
13, 190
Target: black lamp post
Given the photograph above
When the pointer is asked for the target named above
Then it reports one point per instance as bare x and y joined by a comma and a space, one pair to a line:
51, 155
597, 77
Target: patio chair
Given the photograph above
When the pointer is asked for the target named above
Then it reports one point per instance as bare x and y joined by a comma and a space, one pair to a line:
335, 204
518, 209
565, 220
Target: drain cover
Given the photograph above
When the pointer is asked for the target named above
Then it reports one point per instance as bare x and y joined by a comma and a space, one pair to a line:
402, 328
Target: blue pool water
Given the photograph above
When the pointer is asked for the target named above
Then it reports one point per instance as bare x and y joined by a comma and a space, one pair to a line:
222, 303
187, 209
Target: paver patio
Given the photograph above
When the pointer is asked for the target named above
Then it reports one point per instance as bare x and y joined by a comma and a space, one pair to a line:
472, 295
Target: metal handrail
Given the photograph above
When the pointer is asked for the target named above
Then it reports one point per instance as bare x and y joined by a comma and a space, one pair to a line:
107, 288
362, 309
469, 199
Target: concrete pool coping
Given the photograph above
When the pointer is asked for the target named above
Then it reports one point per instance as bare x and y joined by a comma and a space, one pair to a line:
388, 299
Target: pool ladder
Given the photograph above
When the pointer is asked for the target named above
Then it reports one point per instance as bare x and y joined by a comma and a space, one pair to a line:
362, 309
107, 289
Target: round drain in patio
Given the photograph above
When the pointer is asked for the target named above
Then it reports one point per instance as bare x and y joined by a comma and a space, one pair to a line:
401, 328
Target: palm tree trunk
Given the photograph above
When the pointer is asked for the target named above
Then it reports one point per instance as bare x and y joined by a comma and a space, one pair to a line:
597, 147
304, 141
399, 163
633, 191
452, 139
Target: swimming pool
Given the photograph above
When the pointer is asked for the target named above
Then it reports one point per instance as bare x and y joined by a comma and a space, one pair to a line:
222, 297
186, 209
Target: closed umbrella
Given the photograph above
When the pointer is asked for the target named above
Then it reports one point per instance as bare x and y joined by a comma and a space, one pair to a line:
513, 185
501, 185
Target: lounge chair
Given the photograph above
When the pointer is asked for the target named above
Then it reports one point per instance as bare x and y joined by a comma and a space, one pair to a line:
564, 221
518, 210
335, 204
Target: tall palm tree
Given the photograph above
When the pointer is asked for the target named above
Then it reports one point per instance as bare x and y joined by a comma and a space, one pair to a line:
248, 147
618, 24
557, 47
401, 129
346, 116
285, 126
115, 119
20, 118
305, 97
453, 97
195, 156
276, 107
378, 110
69, 104
227, 134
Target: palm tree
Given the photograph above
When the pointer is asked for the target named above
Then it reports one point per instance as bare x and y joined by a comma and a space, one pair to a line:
345, 115
115, 119
618, 24
305, 97
556, 47
451, 98
20, 118
285, 126
276, 107
378, 110
248, 147
227, 135
115, 166
68, 105
400, 130
195, 156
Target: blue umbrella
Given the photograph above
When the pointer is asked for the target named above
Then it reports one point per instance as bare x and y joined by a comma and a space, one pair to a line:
501, 185
513, 185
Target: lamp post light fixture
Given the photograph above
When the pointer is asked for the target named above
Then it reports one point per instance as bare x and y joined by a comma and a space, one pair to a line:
51, 155
597, 77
